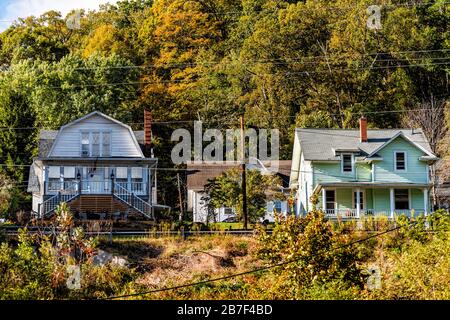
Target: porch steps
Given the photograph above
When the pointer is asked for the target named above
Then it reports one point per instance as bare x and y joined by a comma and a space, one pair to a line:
100, 204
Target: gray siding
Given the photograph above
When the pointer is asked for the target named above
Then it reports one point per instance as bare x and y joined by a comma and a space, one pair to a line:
68, 144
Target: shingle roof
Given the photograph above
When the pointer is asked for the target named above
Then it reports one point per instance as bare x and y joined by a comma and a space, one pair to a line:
320, 144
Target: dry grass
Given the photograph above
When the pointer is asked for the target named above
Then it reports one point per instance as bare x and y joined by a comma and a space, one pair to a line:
166, 262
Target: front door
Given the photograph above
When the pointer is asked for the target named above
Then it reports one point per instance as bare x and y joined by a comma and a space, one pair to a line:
362, 204
96, 181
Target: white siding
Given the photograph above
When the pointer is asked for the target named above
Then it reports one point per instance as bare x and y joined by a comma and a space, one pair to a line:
305, 186
37, 199
67, 143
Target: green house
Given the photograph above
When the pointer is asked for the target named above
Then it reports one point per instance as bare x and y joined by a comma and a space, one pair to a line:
355, 173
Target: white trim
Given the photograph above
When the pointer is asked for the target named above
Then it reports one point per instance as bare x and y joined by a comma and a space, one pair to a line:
395, 161
363, 198
392, 201
425, 200
324, 198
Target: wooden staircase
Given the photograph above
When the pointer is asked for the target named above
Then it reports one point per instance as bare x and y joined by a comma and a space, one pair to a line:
120, 202
100, 204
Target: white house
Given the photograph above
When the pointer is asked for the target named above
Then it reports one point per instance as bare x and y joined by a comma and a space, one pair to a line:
199, 176
97, 165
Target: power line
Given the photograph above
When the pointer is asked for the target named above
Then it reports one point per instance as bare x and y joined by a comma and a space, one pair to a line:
260, 269
67, 86
278, 60
232, 118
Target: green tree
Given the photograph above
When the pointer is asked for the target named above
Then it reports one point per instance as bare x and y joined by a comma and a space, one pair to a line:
44, 38
63, 90
226, 191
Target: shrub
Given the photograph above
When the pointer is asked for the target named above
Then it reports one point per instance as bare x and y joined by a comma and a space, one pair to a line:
38, 267
420, 271
317, 254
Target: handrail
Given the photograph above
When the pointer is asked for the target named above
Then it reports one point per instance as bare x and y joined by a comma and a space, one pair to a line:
64, 195
132, 200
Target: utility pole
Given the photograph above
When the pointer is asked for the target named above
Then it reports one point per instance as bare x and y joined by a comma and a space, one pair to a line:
180, 217
243, 173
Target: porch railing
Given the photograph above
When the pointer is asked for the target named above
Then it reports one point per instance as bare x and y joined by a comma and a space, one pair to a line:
66, 195
344, 213
352, 213
96, 187
133, 201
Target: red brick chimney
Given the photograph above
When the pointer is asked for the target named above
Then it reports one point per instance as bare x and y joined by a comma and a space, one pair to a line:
363, 129
147, 129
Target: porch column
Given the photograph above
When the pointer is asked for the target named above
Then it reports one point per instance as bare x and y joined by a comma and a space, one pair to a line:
392, 203
324, 201
425, 201
358, 202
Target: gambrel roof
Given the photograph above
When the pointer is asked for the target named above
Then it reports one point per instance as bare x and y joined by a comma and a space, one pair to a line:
100, 114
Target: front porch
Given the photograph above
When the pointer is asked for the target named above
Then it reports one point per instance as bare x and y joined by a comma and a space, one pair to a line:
357, 201
128, 181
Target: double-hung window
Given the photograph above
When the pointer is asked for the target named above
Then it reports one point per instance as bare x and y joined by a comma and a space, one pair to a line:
137, 178
95, 143
400, 161
347, 163
330, 198
401, 198
122, 177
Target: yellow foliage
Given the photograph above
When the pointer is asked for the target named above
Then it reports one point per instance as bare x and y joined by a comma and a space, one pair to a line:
102, 41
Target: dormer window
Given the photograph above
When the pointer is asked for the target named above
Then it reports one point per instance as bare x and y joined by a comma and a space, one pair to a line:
400, 160
347, 163
95, 143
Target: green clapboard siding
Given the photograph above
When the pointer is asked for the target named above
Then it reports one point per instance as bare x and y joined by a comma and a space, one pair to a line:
416, 170
364, 171
381, 200
331, 172
344, 198
377, 199
369, 199
416, 199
